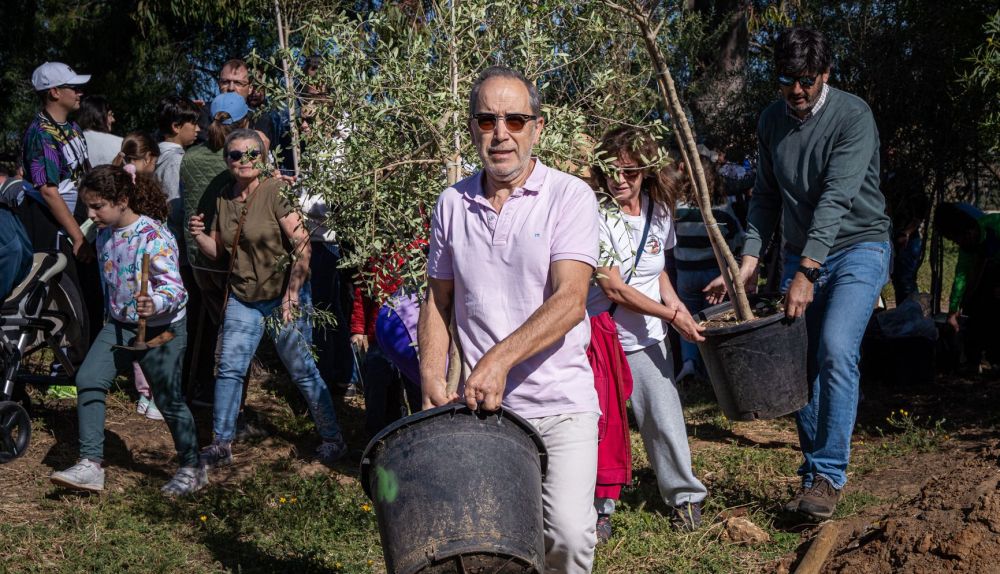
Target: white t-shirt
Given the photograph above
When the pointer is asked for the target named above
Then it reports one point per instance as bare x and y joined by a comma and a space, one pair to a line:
620, 236
102, 147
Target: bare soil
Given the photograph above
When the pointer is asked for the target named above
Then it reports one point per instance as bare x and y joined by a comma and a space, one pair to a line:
940, 510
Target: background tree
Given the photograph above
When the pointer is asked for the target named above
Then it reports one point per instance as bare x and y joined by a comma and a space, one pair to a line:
395, 81
137, 52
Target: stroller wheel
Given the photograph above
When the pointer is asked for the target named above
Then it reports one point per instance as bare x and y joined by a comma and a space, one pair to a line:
15, 431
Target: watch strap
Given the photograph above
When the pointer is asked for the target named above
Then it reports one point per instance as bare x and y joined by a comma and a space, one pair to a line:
811, 273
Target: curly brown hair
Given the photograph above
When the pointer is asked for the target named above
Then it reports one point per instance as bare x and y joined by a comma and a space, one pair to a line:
143, 194
657, 179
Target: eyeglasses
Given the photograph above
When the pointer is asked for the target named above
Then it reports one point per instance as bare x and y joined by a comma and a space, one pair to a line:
77, 89
515, 122
237, 83
804, 81
237, 155
628, 173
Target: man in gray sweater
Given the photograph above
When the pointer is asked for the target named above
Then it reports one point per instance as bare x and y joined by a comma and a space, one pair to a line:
819, 170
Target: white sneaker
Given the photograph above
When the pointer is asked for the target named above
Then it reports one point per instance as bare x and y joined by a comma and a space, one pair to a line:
687, 370
153, 413
143, 405
188, 480
84, 475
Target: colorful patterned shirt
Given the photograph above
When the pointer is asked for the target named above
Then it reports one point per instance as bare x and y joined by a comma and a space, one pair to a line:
55, 154
120, 256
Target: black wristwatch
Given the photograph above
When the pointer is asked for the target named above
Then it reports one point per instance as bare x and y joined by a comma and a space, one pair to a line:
811, 273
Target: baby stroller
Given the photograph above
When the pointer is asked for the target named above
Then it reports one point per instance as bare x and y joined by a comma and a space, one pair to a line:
44, 311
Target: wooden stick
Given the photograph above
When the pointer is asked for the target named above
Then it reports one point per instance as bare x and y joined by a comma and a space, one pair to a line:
819, 549
140, 335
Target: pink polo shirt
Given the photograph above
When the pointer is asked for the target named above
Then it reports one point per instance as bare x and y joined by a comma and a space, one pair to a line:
500, 265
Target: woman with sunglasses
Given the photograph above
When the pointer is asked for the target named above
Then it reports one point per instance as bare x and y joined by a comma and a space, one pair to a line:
204, 174
259, 235
638, 197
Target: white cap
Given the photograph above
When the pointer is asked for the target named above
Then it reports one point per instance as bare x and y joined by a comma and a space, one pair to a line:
53, 74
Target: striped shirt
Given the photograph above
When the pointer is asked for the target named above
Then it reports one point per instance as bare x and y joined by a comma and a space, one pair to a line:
693, 251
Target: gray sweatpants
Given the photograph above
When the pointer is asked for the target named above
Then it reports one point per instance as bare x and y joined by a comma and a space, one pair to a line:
657, 409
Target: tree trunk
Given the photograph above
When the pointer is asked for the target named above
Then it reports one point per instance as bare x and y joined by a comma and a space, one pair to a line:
728, 266
455, 360
289, 87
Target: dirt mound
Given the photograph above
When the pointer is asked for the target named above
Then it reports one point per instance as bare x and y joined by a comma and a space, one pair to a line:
951, 525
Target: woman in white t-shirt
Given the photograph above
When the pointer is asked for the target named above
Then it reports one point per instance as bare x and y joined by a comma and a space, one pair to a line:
95, 118
643, 301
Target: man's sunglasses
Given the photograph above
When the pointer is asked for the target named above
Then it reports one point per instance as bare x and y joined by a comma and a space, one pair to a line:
237, 155
76, 89
515, 122
804, 81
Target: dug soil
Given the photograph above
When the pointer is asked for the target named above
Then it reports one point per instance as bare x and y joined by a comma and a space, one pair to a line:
761, 310
939, 511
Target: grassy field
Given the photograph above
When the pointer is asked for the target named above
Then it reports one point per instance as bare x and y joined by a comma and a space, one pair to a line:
281, 515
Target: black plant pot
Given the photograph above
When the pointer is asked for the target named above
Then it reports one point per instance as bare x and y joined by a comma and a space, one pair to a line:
758, 369
458, 491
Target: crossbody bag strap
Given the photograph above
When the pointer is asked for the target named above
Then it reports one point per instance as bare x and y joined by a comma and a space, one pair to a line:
639, 251
236, 244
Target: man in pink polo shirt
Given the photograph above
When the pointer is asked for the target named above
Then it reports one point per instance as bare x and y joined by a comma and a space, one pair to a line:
512, 252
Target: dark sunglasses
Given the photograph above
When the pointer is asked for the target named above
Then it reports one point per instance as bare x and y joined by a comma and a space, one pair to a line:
237, 155
76, 89
631, 174
515, 122
804, 81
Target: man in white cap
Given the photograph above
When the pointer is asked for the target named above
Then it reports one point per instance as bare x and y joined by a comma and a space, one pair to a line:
55, 158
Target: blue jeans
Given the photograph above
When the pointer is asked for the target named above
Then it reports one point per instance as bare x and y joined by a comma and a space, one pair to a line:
845, 294
243, 327
689, 289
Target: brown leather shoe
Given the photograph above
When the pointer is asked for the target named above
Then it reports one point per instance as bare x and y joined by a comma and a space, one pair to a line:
820, 501
792, 505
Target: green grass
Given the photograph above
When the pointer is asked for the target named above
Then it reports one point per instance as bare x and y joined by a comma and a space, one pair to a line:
854, 502
270, 522
904, 434
645, 542
275, 520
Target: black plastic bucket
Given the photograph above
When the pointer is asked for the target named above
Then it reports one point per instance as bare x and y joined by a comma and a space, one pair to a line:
759, 369
458, 491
